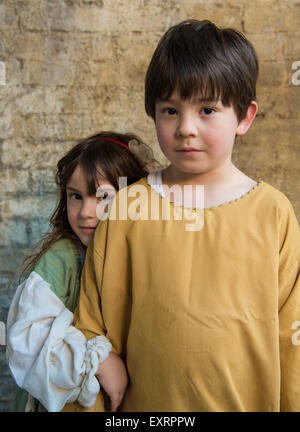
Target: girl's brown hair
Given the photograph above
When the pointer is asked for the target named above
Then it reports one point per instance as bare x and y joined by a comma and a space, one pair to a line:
91, 154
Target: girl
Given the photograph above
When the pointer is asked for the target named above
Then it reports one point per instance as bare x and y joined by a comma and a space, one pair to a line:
49, 359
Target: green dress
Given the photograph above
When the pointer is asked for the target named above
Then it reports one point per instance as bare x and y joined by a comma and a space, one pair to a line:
61, 267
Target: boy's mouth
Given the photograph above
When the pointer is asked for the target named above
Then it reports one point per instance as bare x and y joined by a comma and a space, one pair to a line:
189, 151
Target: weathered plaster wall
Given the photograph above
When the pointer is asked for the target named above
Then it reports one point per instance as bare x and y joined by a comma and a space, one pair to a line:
75, 67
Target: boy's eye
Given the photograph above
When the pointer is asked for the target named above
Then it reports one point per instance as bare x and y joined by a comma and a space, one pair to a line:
170, 111
208, 111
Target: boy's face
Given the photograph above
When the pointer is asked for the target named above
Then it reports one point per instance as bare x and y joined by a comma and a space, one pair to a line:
196, 136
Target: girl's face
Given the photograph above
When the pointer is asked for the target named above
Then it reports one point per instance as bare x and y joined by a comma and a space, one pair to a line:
82, 208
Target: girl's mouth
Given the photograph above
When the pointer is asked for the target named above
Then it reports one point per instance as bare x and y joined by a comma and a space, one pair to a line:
88, 229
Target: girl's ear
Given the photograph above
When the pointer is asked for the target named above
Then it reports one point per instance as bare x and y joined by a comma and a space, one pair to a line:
248, 119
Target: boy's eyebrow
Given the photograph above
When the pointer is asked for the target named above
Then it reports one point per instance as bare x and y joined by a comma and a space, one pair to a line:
208, 100
199, 100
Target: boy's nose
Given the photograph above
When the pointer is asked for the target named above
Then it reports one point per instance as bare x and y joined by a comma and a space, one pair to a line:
187, 126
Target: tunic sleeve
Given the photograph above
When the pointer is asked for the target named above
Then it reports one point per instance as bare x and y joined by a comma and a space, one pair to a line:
47, 355
104, 302
88, 314
289, 313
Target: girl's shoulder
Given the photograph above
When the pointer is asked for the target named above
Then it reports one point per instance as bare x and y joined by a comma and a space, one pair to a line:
64, 254
65, 249
60, 267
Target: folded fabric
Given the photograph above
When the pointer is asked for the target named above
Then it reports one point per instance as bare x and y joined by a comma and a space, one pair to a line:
48, 356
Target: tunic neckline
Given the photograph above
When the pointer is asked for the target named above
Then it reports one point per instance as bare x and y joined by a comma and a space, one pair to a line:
157, 187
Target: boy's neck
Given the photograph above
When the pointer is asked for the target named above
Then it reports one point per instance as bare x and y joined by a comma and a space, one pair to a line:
215, 178
219, 187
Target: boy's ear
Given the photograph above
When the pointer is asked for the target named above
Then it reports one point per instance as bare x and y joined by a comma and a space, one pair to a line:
245, 123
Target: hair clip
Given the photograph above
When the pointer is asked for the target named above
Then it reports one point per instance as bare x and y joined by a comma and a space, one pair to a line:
144, 155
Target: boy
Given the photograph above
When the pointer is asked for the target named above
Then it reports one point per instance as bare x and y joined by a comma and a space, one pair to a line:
205, 319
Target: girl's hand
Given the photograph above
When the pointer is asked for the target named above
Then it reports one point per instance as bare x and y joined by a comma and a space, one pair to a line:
113, 378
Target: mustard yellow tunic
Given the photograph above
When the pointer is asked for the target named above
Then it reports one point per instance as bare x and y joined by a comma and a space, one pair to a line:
206, 320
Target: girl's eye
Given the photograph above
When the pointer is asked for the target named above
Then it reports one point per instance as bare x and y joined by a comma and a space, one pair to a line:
208, 111
75, 196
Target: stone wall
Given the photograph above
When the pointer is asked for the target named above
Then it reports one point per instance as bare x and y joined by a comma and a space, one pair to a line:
75, 67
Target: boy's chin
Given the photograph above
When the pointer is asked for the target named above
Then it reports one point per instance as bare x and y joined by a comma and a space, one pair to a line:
188, 169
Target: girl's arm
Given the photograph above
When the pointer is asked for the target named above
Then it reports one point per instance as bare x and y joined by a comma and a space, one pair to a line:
47, 356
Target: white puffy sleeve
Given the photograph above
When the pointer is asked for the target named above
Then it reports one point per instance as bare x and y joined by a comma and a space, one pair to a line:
48, 356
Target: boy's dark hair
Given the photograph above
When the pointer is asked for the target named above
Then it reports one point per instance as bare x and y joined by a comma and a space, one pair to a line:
197, 58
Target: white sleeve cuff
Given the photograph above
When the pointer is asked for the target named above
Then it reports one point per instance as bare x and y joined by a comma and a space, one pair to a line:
97, 350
